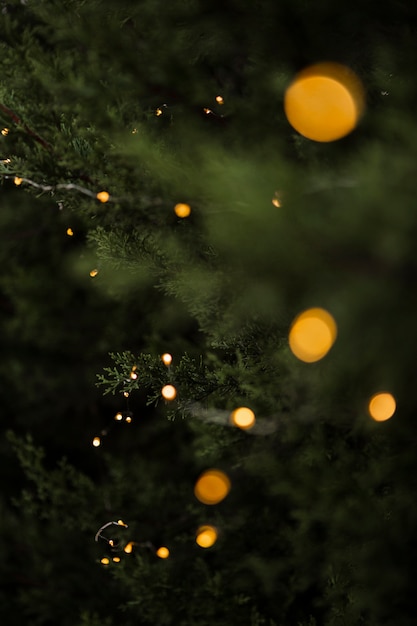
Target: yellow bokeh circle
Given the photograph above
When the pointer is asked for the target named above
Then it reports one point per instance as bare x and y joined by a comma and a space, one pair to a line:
162, 552
169, 392
324, 102
312, 334
243, 417
182, 210
382, 406
206, 536
212, 487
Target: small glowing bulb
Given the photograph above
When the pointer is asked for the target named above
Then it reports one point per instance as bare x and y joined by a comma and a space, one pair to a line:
128, 419
70, 232
206, 536
103, 196
105, 561
207, 111
96, 442
118, 417
276, 201
121, 523
18, 181
5, 131
182, 210
312, 334
133, 375
243, 418
162, 552
212, 487
219, 100
169, 392
126, 394
134, 131
116, 559
128, 547
158, 112
382, 406
166, 359
94, 272
111, 543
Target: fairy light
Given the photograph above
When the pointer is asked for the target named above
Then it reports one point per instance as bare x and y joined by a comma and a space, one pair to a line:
116, 559
118, 417
382, 406
111, 543
207, 111
212, 486
103, 196
206, 536
128, 419
133, 375
17, 181
166, 359
276, 200
126, 394
169, 392
219, 100
158, 112
94, 272
5, 131
162, 552
96, 442
312, 334
105, 561
120, 522
182, 210
6, 160
243, 418
70, 232
134, 131
129, 547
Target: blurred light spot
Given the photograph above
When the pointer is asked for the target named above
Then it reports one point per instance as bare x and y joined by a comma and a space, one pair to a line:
94, 272
133, 375
382, 406
128, 547
158, 112
96, 442
212, 487
128, 419
243, 417
70, 232
5, 131
118, 417
166, 359
121, 523
18, 181
182, 210
105, 560
134, 131
207, 111
116, 559
312, 334
206, 536
169, 392
126, 394
219, 100
103, 196
162, 552
324, 102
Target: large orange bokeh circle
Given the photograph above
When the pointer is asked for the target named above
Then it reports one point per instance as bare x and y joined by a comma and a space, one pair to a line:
324, 102
212, 487
312, 334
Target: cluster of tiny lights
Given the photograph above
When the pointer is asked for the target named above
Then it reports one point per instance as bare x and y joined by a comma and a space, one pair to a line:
312, 334
382, 406
96, 442
243, 418
70, 232
324, 102
166, 359
169, 392
94, 272
103, 196
206, 536
182, 210
212, 486
162, 552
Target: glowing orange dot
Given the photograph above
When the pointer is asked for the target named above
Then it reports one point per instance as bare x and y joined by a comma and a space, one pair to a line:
169, 392
18, 181
129, 547
128, 419
324, 102
219, 100
206, 536
70, 232
116, 559
243, 417
121, 523
94, 272
96, 442
212, 487
162, 552
105, 561
382, 406
103, 196
166, 359
133, 375
312, 334
118, 417
182, 210
158, 112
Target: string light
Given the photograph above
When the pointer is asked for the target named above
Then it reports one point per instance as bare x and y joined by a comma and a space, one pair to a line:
166, 359
96, 442
126, 394
70, 232
103, 196
207, 111
243, 418
6, 161
276, 200
128, 419
219, 100
212, 487
5, 131
17, 181
133, 375
206, 536
182, 210
129, 547
382, 406
134, 131
105, 561
312, 334
120, 522
94, 272
158, 112
169, 392
162, 552
116, 559
118, 417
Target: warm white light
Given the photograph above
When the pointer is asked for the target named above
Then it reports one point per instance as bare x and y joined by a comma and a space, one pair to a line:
103, 196
166, 359
94, 272
382, 406
128, 419
118, 417
243, 417
96, 442
206, 536
105, 560
70, 232
169, 392
162, 552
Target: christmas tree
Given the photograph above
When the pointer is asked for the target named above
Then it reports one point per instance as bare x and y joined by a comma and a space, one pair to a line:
207, 312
